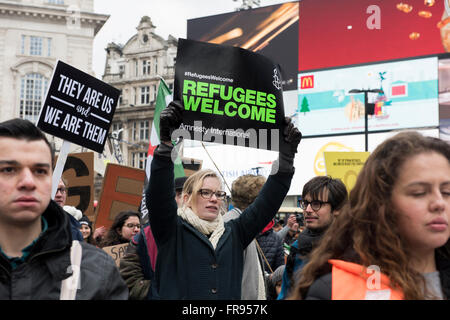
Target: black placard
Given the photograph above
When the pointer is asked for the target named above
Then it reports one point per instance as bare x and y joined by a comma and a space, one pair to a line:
78, 108
230, 95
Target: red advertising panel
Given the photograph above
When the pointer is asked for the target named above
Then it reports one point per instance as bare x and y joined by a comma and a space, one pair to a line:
347, 32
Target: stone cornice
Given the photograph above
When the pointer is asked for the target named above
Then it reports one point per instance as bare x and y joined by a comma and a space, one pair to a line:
135, 113
56, 13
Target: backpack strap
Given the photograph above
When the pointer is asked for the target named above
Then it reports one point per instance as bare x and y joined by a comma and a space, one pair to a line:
70, 285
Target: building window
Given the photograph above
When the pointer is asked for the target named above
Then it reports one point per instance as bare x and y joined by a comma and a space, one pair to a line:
139, 160
22, 45
56, 1
49, 47
35, 46
32, 90
134, 131
155, 92
144, 130
120, 98
155, 64
145, 95
145, 67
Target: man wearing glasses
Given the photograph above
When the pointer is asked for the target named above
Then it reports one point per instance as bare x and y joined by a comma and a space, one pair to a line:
322, 198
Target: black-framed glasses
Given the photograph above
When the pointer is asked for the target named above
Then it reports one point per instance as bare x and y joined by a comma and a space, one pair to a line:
207, 194
62, 190
315, 204
132, 225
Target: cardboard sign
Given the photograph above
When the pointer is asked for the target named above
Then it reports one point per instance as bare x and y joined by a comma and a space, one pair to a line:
345, 166
117, 252
79, 173
230, 95
121, 191
78, 108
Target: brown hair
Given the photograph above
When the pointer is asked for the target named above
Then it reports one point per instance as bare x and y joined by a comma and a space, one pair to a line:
245, 189
366, 231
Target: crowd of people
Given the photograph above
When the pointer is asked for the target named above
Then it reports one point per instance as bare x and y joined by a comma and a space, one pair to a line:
386, 239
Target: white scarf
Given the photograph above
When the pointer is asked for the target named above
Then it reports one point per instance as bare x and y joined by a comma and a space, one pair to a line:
216, 227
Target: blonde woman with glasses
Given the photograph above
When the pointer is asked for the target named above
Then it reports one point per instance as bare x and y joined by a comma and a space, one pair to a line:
200, 256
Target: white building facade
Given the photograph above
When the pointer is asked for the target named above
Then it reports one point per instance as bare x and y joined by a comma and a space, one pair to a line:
34, 35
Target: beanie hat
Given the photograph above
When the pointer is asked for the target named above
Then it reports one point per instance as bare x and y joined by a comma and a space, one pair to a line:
179, 183
85, 220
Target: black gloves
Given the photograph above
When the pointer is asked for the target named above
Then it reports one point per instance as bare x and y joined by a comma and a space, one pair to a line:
289, 140
170, 119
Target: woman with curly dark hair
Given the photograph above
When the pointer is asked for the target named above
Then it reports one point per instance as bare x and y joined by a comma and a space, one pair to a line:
125, 226
391, 241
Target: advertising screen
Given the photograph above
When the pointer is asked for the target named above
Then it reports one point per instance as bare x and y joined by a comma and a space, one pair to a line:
409, 98
234, 161
348, 32
271, 31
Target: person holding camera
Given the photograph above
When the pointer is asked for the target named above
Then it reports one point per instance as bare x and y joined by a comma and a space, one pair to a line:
322, 199
290, 232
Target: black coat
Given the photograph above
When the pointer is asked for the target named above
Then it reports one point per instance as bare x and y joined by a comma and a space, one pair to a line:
272, 247
321, 287
187, 266
40, 276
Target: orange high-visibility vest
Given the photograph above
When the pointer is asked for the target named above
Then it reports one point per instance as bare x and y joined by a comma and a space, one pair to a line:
350, 281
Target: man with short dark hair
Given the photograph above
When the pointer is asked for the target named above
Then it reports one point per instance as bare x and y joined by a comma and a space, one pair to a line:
322, 199
35, 235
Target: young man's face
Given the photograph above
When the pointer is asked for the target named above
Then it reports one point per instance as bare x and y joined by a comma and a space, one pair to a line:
25, 180
318, 218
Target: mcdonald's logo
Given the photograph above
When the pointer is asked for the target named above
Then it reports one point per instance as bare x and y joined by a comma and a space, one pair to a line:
307, 82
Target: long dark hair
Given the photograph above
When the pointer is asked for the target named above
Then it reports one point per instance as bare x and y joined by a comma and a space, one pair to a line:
113, 237
366, 231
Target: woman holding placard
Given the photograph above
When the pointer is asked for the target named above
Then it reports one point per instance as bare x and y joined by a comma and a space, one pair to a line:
200, 256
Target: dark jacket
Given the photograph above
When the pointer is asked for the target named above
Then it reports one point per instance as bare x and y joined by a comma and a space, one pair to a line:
188, 267
40, 276
321, 287
272, 247
75, 227
297, 258
137, 265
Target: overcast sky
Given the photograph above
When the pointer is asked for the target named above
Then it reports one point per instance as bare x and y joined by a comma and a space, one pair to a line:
169, 17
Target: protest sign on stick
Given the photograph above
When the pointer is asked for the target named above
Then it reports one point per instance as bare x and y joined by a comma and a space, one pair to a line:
230, 95
78, 108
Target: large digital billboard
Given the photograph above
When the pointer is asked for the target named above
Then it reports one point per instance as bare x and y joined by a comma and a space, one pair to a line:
409, 98
348, 32
271, 31
234, 161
